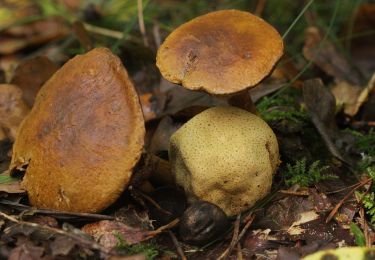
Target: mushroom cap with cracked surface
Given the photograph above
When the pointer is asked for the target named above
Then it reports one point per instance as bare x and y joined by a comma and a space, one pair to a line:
226, 156
82, 137
222, 52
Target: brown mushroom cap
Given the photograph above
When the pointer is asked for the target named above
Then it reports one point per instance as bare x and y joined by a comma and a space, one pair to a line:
221, 52
82, 137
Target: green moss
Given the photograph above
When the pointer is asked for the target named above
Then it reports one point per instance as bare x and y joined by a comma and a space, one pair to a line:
280, 108
365, 143
149, 250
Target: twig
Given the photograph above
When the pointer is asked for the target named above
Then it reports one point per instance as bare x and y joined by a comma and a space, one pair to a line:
141, 22
57, 214
260, 7
82, 241
234, 238
324, 134
177, 245
156, 33
163, 228
153, 202
103, 31
248, 220
82, 35
239, 252
365, 226
338, 205
294, 193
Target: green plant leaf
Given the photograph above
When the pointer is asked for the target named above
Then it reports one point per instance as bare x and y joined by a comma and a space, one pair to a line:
358, 235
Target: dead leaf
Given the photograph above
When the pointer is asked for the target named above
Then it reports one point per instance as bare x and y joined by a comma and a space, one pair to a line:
179, 98
352, 97
13, 187
362, 42
282, 213
148, 106
321, 106
346, 96
44, 221
304, 217
327, 58
26, 252
32, 34
82, 35
12, 11
318, 230
110, 233
31, 74
131, 257
319, 100
62, 246
160, 140
12, 108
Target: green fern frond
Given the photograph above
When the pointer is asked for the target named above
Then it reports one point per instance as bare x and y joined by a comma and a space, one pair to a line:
368, 201
305, 176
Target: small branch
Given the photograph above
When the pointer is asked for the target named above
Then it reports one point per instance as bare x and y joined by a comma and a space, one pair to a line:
57, 214
260, 7
141, 22
365, 226
103, 31
294, 193
156, 33
82, 241
177, 245
163, 228
336, 208
239, 252
153, 202
234, 238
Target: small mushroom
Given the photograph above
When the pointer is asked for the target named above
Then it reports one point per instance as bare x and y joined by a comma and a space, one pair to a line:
226, 156
202, 223
82, 137
224, 52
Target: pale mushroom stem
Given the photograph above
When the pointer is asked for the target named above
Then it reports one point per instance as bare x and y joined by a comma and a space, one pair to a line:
243, 100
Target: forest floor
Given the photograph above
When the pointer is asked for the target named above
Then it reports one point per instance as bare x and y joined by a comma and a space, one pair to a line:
319, 101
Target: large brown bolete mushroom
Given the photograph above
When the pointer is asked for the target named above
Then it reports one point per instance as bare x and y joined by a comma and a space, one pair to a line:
223, 52
226, 156
82, 137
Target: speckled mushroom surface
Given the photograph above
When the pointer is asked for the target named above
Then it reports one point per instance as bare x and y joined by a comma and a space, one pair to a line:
226, 156
221, 52
82, 137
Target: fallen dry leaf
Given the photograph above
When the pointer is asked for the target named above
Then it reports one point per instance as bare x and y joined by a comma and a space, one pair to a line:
320, 104
12, 109
31, 34
13, 187
110, 233
26, 251
362, 41
346, 95
304, 217
352, 97
31, 74
327, 57
147, 106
